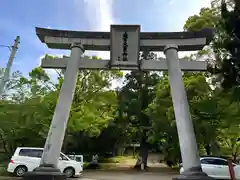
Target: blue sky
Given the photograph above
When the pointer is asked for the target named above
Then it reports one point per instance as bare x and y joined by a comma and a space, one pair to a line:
19, 17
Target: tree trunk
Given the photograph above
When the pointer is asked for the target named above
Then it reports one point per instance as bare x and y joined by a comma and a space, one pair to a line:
118, 149
235, 154
208, 149
5, 147
215, 148
4, 144
143, 154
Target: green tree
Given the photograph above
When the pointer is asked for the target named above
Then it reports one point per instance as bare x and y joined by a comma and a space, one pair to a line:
24, 114
137, 93
230, 46
203, 112
93, 107
28, 107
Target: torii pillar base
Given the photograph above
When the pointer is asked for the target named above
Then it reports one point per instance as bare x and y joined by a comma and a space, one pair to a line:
193, 174
45, 173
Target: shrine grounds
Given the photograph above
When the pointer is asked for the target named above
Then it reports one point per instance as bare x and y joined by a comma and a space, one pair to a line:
117, 175
156, 171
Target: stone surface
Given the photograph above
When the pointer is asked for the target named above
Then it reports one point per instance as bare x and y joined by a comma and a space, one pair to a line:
186, 134
128, 175
45, 173
193, 177
195, 173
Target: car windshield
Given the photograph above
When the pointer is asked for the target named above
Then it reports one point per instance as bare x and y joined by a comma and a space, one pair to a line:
79, 159
64, 157
215, 161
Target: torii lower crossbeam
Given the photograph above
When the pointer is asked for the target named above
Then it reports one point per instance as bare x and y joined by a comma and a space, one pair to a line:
147, 65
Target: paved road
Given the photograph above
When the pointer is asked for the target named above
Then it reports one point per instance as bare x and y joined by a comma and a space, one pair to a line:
127, 176
162, 173
116, 176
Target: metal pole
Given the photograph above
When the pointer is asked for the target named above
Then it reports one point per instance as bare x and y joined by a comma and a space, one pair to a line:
186, 135
58, 126
6, 75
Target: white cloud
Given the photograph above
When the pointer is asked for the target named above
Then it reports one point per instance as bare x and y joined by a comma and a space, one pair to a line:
100, 18
99, 14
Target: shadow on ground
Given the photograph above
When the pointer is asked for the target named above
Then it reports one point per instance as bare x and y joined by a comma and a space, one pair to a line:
126, 173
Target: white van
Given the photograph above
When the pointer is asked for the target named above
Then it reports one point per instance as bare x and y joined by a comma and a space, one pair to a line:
28, 158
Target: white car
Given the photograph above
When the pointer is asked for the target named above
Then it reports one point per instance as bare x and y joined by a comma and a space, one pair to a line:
78, 158
217, 168
28, 158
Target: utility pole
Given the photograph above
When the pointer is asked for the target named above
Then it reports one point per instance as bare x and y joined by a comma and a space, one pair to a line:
6, 75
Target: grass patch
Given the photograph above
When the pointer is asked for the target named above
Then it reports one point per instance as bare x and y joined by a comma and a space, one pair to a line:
4, 160
175, 168
112, 163
118, 159
85, 165
3, 157
107, 165
3, 171
118, 162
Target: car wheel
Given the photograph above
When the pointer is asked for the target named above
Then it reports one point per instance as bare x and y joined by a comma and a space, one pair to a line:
20, 171
69, 172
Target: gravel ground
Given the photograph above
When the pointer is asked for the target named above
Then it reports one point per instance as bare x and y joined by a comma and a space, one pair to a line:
116, 176
154, 173
127, 176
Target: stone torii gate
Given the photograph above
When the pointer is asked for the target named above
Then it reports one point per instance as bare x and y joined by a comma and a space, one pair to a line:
125, 42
